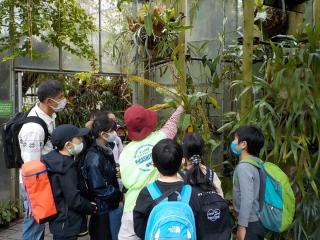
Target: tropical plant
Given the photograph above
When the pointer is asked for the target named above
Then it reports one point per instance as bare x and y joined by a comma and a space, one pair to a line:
195, 118
87, 92
154, 32
286, 106
193, 9
59, 23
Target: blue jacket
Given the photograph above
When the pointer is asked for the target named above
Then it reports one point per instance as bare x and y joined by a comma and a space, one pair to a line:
101, 177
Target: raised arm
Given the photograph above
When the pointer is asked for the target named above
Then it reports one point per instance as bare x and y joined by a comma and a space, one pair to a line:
170, 128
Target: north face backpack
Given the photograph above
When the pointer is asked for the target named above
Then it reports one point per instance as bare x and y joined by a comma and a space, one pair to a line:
214, 217
39, 192
277, 201
170, 219
10, 132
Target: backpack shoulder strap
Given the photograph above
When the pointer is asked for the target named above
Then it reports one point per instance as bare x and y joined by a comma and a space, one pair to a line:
183, 175
158, 196
210, 175
41, 122
186, 193
259, 164
154, 190
254, 161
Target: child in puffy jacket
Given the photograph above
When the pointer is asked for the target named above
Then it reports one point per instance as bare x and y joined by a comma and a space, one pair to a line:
71, 206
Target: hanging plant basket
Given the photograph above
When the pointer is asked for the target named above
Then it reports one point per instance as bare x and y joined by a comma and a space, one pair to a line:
288, 3
155, 31
276, 22
294, 2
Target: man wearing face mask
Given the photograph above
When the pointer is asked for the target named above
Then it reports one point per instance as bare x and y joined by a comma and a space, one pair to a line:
33, 146
118, 144
71, 206
100, 168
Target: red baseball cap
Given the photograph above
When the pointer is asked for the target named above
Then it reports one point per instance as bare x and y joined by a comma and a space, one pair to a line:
140, 122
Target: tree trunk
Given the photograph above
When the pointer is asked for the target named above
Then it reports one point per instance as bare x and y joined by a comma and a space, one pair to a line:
248, 13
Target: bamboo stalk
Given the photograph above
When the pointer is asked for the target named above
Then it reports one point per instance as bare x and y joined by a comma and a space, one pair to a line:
182, 84
316, 12
296, 20
146, 90
248, 13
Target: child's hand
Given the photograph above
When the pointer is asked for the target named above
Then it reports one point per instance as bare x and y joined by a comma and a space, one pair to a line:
118, 172
95, 207
241, 233
89, 124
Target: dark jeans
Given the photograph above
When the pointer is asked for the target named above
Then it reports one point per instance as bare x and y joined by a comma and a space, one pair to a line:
99, 227
255, 231
115, 222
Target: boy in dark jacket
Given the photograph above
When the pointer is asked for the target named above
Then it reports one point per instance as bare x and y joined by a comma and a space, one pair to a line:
100, 168
167, 157
71, 206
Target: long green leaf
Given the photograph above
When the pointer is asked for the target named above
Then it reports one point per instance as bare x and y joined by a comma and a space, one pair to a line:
148, 24
214, 102
152, 84
185, 122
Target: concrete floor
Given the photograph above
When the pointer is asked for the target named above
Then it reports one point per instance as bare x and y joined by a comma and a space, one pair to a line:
14, 232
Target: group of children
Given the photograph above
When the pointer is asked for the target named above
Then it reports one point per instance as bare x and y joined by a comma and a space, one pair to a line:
120, 209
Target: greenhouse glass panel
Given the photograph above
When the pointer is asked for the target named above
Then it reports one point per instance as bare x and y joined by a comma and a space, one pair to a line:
76, 63
216, 22
48, 60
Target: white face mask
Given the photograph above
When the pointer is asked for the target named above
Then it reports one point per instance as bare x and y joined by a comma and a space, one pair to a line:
77, 148
111, 137
61, 105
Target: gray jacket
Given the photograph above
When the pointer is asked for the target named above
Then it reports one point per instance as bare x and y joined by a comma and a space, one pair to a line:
246, 186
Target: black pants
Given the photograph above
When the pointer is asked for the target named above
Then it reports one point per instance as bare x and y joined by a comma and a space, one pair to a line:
64, 238
255, 231
99, 227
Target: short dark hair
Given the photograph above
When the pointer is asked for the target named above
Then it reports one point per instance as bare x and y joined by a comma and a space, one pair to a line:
253, 136
49, 89
167, 157
102, 124
192, 144
97, 114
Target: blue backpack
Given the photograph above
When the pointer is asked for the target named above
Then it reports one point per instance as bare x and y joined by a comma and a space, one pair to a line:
170, 219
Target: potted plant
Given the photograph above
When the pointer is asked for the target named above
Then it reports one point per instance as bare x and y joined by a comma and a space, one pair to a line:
278, 3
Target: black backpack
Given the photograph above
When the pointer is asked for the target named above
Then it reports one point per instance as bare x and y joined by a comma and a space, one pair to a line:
214, 219
10, 132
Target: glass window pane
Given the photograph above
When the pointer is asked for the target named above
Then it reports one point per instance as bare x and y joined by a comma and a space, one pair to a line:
50, 59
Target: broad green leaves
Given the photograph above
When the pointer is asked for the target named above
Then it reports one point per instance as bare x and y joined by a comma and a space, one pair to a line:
287, 108
59, 23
